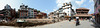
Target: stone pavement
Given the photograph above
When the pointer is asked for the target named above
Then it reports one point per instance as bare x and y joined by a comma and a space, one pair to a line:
67, 24
62, 24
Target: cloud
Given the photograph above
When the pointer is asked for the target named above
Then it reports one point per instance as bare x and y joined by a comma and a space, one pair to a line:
60, 2
90, 0
12, 3
80, 2
55, 9
46, 10
91, 7
74, 7
84, 5
91, 10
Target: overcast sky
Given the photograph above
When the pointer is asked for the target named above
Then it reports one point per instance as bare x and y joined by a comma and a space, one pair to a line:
48, 6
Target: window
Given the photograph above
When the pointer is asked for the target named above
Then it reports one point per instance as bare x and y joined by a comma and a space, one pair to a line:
31, 11
99, 10
28, 13
31, 15
67, 5
99, 1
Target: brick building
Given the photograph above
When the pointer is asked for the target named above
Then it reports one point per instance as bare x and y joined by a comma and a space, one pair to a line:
23, 11
8, 12
31, 13
41, 15
97, 10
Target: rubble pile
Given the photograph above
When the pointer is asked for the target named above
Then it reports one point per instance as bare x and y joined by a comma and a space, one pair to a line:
26, 23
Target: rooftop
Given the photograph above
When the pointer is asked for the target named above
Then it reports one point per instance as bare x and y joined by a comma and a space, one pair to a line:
82, 8
83, 15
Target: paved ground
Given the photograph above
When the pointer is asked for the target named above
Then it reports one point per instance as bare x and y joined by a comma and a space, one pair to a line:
63, 24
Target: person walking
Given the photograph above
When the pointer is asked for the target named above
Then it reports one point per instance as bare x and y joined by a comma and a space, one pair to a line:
69, 19
93, 20
77, 21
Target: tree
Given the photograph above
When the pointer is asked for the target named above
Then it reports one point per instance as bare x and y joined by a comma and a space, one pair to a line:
38, 11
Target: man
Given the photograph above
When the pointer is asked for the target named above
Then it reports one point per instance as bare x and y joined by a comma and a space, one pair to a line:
77, 21
93, 20
69, 19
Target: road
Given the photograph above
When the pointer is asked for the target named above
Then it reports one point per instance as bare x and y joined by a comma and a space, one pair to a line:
62, 24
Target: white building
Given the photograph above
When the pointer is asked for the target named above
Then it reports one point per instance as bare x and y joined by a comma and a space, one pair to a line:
65, 10
30, 13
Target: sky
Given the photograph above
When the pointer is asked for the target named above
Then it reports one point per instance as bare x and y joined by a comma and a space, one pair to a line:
48, 6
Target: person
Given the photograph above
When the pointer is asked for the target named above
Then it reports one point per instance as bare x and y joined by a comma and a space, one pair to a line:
69, 19
93, 20
77, 22
90, 19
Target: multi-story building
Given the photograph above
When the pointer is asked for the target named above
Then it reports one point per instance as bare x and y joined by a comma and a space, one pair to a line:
56, 15
26, 12
50, 15
82, 13
23, 11
41, 15
8, 12
68, 9
35, 12
65, 10
30, 13
97, 10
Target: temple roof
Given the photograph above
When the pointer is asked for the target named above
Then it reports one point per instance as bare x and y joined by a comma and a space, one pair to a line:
82, 8
82, 15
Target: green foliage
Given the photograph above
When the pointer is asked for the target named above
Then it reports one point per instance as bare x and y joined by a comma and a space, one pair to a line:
38, 11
